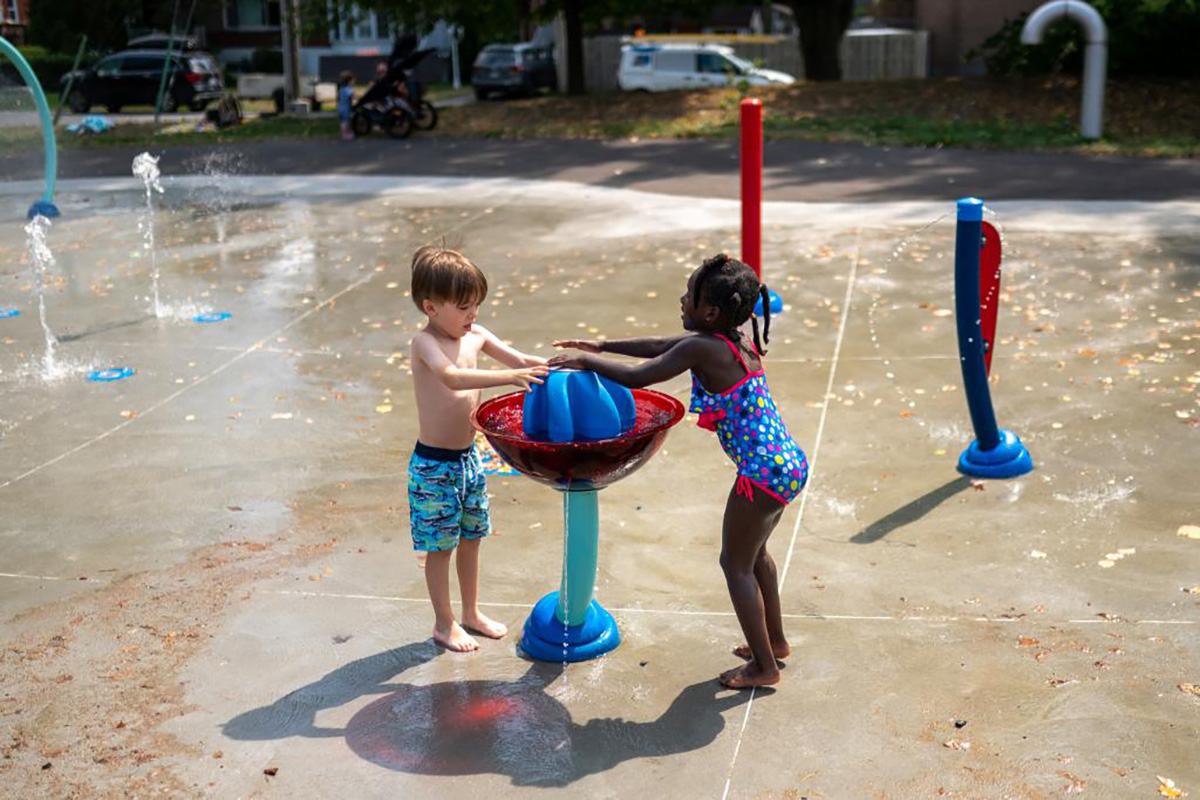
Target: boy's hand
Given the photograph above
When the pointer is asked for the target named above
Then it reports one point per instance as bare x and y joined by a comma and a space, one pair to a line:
528, 376
586, 345
577, 361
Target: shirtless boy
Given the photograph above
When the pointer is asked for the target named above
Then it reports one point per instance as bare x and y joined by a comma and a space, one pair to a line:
447, 492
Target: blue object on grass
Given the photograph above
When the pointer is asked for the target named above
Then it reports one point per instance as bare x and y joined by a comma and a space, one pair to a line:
212, 316
111, 374
573, 405
92, 124
5, 313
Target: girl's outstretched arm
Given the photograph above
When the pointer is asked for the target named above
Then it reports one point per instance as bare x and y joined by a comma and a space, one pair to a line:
645, 347
683, 355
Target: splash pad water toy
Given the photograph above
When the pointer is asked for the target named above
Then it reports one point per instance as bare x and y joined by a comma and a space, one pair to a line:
569, 625
995, 453
44, 207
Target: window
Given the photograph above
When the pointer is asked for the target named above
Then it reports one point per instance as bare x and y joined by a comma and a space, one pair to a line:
675, 62
641, 60
142, 64
711, 63
109, 67
241, 14
11, 13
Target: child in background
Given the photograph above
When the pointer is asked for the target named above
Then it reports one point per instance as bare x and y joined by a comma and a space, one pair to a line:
447, 491
729, 391
345, 102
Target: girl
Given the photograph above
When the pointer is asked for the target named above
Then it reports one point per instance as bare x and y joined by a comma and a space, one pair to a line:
729, 391
345, 103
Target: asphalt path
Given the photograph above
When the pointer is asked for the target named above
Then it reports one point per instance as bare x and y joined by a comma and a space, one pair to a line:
798, 171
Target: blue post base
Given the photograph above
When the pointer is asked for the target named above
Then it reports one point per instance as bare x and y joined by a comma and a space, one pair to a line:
1007, 460
776, 304
545, 634
43, 209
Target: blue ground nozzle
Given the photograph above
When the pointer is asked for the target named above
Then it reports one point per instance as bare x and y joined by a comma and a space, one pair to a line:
211, 316
111, 374
577, 405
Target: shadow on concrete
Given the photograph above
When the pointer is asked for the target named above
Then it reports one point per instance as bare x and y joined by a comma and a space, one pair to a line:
910, 513
514, 728
103, 328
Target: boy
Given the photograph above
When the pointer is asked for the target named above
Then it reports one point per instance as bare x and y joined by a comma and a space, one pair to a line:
447, 494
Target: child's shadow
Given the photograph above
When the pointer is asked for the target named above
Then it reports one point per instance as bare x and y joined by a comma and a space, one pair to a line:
509, 728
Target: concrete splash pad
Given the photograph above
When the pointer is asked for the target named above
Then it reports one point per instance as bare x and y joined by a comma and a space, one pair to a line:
237, 508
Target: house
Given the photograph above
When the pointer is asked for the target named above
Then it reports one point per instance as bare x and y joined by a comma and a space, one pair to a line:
14, 19
235, 30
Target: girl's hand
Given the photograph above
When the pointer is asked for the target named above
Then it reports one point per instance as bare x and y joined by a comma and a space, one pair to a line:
576, 361
586, 345
528, 376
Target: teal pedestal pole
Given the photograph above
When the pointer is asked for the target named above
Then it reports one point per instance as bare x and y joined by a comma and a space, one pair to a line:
569, 625
44, 207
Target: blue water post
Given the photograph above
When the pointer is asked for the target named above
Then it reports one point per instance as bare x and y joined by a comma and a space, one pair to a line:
569, 625
44, 207
995, 453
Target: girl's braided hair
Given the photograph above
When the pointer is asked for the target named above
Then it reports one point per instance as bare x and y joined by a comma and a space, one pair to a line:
733, 288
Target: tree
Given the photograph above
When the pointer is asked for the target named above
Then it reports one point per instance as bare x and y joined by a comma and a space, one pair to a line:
822, 25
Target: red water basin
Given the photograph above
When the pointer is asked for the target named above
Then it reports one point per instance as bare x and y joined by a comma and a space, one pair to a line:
578, 465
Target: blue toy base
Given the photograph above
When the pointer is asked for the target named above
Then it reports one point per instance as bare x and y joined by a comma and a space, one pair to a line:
548, 639
1007, 460
212, 316
776, 304
43, 209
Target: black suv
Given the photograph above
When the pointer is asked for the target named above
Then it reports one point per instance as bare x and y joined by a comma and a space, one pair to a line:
513, 69
131, 78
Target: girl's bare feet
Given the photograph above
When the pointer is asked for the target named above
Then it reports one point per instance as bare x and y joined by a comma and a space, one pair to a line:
780, 650
485, 626
455, 638
748, 676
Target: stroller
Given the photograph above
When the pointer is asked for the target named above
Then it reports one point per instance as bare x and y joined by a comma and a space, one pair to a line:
394, 103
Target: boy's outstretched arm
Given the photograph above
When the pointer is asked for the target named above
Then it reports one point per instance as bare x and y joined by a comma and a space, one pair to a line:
459, 378
507, 355
684, 355
644, 347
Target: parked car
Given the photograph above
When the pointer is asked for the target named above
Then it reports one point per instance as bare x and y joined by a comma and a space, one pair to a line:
131, 78
513, 69
662, 67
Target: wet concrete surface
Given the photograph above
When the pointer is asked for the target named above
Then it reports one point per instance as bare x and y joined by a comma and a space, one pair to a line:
793, 170
1019, 638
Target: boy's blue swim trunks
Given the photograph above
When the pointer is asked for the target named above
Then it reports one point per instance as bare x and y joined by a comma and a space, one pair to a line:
447, 498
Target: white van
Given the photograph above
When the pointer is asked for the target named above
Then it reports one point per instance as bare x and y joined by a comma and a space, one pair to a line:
662, 67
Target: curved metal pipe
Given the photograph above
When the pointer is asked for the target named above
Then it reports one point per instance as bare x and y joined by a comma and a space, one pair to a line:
44, 207
1094, 60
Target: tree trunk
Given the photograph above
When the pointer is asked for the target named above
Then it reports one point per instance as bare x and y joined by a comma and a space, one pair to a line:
571, 9
822, 24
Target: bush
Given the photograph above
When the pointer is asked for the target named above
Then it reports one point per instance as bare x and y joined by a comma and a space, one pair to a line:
49, 67
1145, 37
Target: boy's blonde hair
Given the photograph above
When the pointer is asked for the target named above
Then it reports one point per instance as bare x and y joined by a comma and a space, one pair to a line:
443, 275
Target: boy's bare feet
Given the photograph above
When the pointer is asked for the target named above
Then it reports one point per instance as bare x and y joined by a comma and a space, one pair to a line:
455, 638
748, 676
780, 650
485, 626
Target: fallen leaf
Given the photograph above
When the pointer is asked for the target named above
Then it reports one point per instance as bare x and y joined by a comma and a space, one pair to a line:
1166, 787
234, 508
1189, 531
1190, 688
271, 771
1027, 641
955, 744
1106, 563
1036, 554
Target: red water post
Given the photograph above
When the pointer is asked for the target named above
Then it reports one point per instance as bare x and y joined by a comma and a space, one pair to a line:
752, 164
